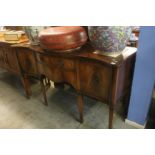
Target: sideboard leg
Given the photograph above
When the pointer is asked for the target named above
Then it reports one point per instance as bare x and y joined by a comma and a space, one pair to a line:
111, 113
80, 106
43, 87
26, 85
125, 101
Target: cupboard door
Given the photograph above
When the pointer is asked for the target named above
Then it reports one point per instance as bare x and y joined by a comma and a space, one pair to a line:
57, 69
50, 67
95, 79
8, 58
12, 61
2, 59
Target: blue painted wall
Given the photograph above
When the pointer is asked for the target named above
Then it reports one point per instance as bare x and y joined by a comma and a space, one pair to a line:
144, 77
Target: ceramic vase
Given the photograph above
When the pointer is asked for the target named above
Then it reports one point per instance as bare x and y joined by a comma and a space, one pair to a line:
109, 39
32, 33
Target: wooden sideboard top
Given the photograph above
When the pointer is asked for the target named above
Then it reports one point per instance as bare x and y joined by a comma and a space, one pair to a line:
84, 52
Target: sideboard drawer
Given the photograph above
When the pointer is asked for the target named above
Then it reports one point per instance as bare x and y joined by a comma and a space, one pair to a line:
95, 79
56, 62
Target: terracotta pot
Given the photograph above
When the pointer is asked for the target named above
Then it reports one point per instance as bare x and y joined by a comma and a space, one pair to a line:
109, 38
62, 37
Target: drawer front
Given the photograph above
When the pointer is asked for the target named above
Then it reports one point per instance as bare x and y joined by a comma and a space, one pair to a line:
57, 69
56, 62
95, 79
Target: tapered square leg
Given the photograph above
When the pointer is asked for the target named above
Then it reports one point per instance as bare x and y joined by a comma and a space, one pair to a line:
111, 113
45, 84
26, 85
80, 106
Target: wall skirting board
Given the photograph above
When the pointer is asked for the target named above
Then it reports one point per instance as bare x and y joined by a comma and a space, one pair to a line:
134, 124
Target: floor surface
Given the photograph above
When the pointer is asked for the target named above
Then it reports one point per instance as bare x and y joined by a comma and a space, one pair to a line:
18, 112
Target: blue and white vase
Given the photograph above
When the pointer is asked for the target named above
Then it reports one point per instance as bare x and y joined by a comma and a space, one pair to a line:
109, 38
32, 33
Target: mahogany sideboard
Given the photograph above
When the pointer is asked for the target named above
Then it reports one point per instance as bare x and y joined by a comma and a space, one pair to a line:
105, 78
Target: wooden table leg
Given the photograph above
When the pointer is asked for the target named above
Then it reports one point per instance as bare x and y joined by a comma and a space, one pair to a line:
43, 88
80, 106
125, 101
26, 85
111, 113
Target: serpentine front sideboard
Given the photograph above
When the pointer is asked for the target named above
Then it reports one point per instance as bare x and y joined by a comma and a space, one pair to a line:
105, 78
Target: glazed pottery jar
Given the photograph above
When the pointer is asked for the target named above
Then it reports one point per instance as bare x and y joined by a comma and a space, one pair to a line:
109, 38
32, 33
62, 38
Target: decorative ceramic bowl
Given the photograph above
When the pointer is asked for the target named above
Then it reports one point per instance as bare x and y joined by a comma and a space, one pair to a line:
32, 33
109, 38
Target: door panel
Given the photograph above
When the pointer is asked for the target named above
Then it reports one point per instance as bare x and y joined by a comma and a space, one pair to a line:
95, 79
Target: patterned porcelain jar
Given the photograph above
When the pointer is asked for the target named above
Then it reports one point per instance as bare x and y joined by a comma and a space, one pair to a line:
109, 39
32, 33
